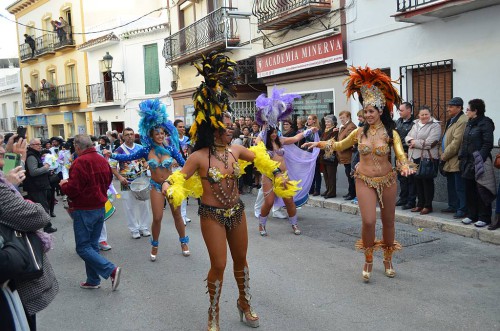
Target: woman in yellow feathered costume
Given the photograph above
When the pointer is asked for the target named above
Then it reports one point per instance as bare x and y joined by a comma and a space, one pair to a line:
212, 172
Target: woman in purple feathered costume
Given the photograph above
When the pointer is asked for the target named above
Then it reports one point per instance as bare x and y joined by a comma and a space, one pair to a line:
153, 128
298, 163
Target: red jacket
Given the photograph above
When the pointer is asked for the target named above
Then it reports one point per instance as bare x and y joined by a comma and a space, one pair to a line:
89, 180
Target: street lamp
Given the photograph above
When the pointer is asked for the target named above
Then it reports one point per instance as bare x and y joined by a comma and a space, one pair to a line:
108, 64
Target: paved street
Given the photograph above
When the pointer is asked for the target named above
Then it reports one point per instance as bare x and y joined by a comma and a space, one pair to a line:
307, 282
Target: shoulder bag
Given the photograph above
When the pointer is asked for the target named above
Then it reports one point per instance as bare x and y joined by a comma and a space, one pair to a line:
29, 245
427, 167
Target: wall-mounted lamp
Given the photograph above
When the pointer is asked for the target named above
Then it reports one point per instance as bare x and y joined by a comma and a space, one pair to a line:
108, 64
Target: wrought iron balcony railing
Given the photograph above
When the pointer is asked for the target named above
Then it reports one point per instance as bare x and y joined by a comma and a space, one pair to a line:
57, 95
103, 92
64, 39
44, 44
277, 14
26, 53
216, 30
405, 5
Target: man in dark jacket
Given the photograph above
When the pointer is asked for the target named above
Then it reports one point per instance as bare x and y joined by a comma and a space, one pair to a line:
408, 193
86, 188
37, 179
30, 41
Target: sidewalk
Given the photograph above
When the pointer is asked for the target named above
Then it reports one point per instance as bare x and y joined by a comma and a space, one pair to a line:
436, 220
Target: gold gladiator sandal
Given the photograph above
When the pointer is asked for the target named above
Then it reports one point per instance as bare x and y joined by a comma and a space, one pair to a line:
388, 251
367, 268
213, 290
242, 280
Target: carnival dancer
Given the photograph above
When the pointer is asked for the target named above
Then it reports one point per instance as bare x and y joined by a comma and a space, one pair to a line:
221, 211
270, 111
375, 177
153, 127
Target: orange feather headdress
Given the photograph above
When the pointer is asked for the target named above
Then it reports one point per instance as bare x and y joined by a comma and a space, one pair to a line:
373, 87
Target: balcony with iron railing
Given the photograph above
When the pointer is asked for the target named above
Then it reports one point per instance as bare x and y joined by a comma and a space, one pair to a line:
54, 96
214, 31
102, 94
278, 14
64, 39
48, 43
421, 11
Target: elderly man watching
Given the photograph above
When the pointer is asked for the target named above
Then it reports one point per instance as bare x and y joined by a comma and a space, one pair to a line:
86, 188
37, 179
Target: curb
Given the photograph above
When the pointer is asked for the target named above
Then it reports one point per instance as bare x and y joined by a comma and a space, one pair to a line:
435, 222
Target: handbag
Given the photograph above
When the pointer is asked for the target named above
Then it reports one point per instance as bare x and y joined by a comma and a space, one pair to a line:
497, 161
29, 245
427, 167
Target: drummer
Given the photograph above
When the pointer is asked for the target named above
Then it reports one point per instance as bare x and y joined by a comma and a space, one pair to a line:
138, 212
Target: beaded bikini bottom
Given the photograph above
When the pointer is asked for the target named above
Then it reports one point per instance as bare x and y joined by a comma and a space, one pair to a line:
229, 217
378, 183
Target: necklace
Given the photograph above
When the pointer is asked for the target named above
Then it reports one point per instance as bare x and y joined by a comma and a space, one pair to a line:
374, 128
224, 158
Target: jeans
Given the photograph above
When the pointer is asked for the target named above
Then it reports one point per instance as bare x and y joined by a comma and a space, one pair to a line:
87, 225
408, 192
456, 192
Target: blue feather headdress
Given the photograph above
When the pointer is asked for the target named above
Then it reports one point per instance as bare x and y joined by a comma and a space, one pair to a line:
154, 115
273, 109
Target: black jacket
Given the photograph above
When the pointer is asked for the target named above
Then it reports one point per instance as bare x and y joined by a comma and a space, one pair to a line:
35, 183
403, 127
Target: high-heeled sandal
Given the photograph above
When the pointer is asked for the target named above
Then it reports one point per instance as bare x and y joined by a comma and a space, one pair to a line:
213, 290
262, 225
184, 245
154, 249
388, 251
366, 273
368, 251
293, 221
242, 281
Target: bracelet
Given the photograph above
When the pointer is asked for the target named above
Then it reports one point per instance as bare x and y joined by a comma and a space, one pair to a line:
167, 181
277, 171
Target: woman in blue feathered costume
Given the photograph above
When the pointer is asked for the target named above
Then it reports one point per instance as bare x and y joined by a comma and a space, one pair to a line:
153, 128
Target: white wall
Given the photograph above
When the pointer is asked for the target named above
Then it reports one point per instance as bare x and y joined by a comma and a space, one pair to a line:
471, 39
10, 92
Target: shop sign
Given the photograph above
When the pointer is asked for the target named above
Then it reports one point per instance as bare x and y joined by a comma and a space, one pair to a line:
22, 120
36, 120
308, 55
68, 117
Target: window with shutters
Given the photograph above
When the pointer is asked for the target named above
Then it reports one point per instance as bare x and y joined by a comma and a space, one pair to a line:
429, 84
151, 69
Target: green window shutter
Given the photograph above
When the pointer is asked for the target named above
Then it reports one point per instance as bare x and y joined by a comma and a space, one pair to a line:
151, 69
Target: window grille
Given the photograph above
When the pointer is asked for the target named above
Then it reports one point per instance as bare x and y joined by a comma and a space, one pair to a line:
243, 108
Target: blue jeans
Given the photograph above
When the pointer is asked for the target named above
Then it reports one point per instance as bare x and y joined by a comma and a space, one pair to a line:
456, 192
87, 225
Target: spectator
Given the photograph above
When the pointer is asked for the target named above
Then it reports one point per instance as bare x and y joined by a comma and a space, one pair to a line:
56, 25
288, 130
450, 146
345, 156
248, 122
185, 149
422, 142
241, 122
37, 179
21, 215
407, 193
478, 139
256, 174
116, 141
312, 122
49, 90
301, 127
330, 164
104, 144
86, 188
496, 222
30, 93
31, 42
65, 28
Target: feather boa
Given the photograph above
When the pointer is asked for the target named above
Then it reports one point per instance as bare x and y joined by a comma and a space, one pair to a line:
180, 188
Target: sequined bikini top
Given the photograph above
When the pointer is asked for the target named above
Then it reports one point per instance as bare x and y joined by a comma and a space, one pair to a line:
379, 150
279, 152
153, 163
215, 176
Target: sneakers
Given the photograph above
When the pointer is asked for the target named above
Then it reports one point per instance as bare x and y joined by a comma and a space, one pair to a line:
115, 278
355, 201
136, 235
144, 233
104, 246
88, 286
467, 221
480, 224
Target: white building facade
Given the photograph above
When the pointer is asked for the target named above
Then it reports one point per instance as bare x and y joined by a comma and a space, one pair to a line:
11, 99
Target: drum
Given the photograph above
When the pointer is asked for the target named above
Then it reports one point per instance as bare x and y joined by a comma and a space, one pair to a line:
109, 210
140, 188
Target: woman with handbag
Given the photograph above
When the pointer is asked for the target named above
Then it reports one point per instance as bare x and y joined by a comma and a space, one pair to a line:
478, 138
22, 215
423, 145
331, 162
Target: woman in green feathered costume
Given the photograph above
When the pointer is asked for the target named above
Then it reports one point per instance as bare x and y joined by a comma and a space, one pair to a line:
212, 172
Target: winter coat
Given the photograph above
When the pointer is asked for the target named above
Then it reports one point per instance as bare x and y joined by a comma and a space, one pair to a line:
403, 127
425, 138
478, 136
346, 155
453, 137
327, 135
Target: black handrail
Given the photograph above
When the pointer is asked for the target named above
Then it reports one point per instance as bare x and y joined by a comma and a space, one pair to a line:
210, 29
267, 10
108, 91
405, 5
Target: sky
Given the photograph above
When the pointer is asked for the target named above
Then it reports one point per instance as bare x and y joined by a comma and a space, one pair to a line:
8, 38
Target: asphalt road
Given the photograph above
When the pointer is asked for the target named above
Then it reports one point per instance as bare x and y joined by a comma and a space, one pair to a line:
307, 282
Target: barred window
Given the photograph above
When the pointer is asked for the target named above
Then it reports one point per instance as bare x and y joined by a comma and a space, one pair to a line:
243, 108
429, 84
13, 123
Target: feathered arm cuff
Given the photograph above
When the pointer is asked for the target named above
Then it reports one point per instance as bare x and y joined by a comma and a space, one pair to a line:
242, 165
270, 168
180, 188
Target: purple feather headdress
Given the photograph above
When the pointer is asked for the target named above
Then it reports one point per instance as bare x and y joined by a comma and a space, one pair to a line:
273, 109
